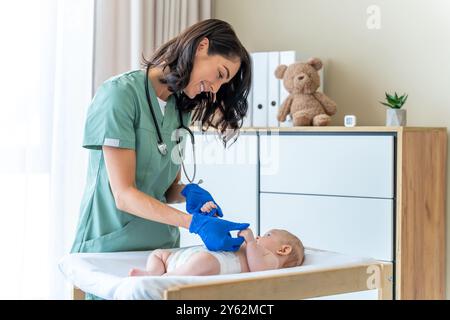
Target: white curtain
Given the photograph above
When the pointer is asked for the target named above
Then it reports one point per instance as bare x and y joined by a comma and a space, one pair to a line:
51, 51
124, 30
46, 83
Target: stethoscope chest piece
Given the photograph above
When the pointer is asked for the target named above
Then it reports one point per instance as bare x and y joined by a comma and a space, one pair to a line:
162, 147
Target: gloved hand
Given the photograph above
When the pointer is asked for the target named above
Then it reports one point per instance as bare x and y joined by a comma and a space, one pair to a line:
196, 197
215, 233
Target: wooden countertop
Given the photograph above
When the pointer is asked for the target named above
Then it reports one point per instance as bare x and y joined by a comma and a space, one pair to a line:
334, 129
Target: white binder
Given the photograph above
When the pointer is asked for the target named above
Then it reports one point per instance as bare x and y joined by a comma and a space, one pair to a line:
287, 58
273, 91
259, 83
248, 118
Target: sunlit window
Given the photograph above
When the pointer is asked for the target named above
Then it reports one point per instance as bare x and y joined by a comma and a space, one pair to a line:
30, 55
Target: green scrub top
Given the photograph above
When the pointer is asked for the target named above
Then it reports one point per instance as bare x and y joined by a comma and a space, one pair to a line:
119, 116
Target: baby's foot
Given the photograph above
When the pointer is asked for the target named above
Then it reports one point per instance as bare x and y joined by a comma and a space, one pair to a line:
137, 272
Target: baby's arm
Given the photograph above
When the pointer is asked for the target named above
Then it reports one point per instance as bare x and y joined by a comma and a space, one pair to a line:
258, 257
208, 206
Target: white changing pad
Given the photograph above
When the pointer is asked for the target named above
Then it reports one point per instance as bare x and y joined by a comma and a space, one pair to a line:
106, 274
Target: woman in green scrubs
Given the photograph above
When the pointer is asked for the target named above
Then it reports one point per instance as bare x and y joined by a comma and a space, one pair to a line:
205, 72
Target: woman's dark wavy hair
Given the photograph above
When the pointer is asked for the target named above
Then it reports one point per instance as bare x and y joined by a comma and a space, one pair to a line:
231, 100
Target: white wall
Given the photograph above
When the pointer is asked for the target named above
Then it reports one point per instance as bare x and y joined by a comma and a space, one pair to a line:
409, 53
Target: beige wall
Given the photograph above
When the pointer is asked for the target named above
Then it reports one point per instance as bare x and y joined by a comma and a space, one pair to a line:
409, 53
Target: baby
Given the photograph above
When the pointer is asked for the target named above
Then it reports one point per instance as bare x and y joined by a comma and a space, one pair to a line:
274, 250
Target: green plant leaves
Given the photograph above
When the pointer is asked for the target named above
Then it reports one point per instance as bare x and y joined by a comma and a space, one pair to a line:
386, 104
395, 101
403, 99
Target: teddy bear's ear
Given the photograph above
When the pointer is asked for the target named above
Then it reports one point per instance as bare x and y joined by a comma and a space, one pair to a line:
280, 70
316, 63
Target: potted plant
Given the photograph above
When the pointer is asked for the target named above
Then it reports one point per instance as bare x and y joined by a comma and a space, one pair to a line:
394, 115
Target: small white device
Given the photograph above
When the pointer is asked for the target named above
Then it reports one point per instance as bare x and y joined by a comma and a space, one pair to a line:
350, 120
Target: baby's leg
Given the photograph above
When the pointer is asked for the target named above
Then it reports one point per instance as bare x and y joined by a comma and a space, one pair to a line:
200, 264
155, 264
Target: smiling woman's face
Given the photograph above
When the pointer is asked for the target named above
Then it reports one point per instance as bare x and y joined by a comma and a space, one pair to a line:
209, 73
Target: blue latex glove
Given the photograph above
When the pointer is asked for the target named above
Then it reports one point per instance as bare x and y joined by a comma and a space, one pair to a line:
196, 197
215, 233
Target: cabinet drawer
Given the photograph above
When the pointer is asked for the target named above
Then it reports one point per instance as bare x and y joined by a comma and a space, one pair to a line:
350, 165
356, 226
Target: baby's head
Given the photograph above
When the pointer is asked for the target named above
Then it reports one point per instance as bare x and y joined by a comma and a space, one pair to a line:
284, 245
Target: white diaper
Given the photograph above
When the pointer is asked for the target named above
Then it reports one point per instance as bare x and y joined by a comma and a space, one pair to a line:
228, 261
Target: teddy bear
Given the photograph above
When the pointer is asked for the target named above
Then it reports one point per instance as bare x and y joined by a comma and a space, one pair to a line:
305, 105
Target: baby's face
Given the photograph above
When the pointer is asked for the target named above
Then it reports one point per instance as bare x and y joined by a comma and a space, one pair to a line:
271, 240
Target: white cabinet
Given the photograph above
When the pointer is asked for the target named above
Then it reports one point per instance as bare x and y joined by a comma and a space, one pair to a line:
230, 175
368, 191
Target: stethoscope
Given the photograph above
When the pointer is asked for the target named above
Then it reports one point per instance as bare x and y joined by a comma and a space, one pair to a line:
162, 146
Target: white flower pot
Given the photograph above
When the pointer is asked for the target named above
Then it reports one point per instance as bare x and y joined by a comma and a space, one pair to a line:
395, 117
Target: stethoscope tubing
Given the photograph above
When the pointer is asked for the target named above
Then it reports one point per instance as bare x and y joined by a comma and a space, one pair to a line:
162, 147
